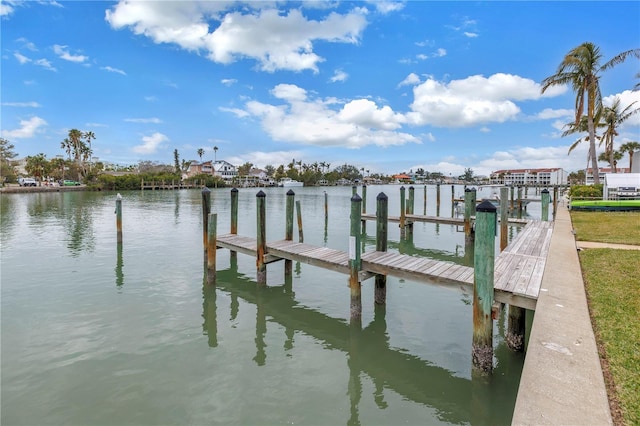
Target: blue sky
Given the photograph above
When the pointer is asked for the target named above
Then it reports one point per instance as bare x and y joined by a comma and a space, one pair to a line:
388, 86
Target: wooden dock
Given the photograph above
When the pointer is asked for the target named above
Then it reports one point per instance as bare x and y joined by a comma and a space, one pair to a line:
517, 275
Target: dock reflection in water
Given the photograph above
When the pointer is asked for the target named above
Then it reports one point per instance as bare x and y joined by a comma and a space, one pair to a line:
454, 400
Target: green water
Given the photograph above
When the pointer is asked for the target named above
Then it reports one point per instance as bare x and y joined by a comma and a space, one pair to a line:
94, 335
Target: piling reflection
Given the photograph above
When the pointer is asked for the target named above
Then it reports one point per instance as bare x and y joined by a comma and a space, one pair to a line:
454, 399
119, 265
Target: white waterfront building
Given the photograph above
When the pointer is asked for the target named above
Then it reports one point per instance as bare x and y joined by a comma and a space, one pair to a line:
540, 177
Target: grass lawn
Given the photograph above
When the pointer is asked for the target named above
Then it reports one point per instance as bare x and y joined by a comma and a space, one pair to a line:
607, 227
612, 281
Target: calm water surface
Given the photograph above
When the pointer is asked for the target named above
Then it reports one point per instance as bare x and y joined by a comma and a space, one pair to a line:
94, 334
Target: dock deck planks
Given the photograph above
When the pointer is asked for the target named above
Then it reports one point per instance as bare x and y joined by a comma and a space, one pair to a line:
518, 269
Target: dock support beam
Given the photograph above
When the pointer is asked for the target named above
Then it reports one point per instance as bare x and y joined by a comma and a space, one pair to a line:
261, 240
119, 219
484, 265
504, 217
438, 199
424, 200
234, 220
469, 207
206, 209
410, 204
555, 201
402, 212
212, 237
544, 200
288, 232
382, 218
355, 260
299, 213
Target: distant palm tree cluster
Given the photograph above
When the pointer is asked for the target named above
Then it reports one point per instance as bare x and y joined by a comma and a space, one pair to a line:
581, 69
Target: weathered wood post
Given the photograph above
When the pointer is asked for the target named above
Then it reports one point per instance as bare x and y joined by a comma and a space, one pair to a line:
504, 217
484, 265
299, 214
555, 201
402, 212
409, 208
211, 249
512, 197
364, 199
234, 220
514, 337
206, 209
544, 200
469, 208
326, 208
364, 210
382, 220
438, 199
354, 190
424, 200
119, 218
453, 199
288, 232
355, 258
519, 202
261, 240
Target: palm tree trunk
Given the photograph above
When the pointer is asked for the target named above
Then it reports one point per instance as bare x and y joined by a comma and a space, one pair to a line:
592, 150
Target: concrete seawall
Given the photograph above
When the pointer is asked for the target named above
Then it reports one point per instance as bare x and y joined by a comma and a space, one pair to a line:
562, 381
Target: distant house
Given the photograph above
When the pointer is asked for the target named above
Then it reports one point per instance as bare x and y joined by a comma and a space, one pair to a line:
543, 177
402, 178
225, 170
200, 168
603, 172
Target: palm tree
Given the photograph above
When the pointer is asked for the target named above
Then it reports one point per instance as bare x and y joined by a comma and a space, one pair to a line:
612, 159
613, 119
215, 154
200, 153
581, 69
88, 136
582, 127
630, 148
66, 145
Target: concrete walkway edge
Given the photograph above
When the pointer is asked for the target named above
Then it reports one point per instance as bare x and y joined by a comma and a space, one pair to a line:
562, 381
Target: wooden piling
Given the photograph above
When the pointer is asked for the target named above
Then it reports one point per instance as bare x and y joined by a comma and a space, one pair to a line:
288, 233
424, 200
261, 240
211, 249
382, 220
402, 212
504, 217
354, 190
355, 258
469, 208
364, 199
484, 261
410, 200
512, 193
234, 219
119, 218
555, 201
299, 213
206, 209
438, 199
544, 200
519, 202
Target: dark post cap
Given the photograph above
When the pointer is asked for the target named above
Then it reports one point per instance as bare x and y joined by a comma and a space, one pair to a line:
544, 191
402, 188
486, 206
234, 189
205, 190
382, 196
356, 198
261, 194
290, 192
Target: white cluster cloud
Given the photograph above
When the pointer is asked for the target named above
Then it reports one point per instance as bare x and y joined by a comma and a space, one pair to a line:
44, 63
150, 144
472, 101
278, 41
326, 122
28, 128
63, 53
